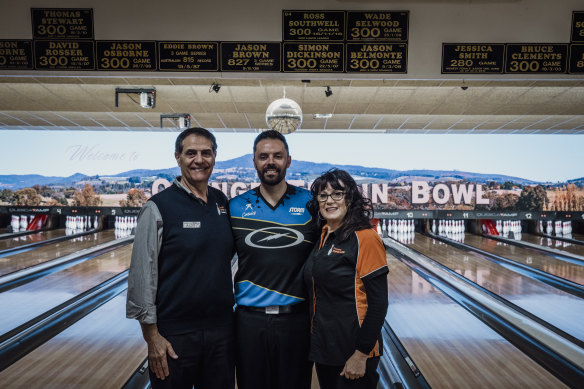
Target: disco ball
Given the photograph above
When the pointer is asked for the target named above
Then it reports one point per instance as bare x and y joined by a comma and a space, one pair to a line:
284, 115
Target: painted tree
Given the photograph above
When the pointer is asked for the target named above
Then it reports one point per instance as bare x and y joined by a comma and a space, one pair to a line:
567, 199
506, 202
134, 198
86, 197
533, 198
26, 196
6, 195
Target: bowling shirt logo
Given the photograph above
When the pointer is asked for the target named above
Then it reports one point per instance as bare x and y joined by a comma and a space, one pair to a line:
296, 211
335, 250
221, 210
191, 224
274, 238
248, 210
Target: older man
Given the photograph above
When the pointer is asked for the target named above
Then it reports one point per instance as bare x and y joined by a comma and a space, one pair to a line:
179, 286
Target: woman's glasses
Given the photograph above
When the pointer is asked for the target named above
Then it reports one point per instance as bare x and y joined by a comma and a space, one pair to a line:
336, 196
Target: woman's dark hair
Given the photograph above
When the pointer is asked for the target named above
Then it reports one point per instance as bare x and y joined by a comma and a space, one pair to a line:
359, 208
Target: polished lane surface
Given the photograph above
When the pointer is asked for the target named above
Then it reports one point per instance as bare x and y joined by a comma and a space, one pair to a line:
30, 300
101, 350
558, 308
538, 260
569, 248
450, 346
17, 241
46, 253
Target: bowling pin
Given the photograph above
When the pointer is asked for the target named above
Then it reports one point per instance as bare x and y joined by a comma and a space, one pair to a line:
15, 223
558, 229
23, 222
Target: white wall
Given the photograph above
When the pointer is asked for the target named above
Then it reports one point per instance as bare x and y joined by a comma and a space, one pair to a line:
432, 22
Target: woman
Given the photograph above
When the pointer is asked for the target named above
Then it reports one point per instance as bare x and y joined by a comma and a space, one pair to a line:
346, 278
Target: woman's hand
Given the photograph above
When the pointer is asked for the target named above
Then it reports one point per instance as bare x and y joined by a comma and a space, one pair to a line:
355, 366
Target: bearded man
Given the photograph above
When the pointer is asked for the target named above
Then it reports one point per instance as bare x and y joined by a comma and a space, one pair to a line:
274, 234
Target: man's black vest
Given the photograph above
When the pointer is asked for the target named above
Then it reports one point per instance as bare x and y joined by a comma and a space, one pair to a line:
194, 264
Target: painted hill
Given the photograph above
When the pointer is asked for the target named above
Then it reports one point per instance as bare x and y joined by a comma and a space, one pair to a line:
28, 180
242, 168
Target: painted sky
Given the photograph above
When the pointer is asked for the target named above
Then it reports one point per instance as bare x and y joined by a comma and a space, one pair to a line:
62, 153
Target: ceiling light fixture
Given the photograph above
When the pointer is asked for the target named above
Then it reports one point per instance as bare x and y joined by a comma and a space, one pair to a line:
147, 96
215, 88
183, 120
284, 115
464, 86
328, 92
322, 116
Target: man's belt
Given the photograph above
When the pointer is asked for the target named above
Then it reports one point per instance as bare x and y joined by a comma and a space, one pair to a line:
277, 309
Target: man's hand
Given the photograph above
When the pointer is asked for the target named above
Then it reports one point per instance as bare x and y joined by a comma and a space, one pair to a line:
355, 366
158, 347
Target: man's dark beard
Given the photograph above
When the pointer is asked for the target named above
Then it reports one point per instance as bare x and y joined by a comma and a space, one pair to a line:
280, 175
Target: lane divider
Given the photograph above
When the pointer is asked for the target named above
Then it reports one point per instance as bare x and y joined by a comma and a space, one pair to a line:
20, 277
9, 235
30, 246
559, 254
17, 346
561, 357
564, 239
396, 368
563, 284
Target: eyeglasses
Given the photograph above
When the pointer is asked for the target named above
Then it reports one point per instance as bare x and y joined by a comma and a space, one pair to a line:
336, 196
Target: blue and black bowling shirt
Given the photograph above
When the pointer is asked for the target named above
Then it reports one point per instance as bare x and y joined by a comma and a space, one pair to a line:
272, 246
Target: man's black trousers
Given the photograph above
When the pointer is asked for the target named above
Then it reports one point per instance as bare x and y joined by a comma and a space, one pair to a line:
205, 360
272, 350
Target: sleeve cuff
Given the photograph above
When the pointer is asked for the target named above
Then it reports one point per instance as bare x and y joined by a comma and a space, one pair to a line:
382, 270
143, 315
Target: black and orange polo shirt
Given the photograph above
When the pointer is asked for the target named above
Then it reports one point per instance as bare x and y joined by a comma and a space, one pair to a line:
347, 286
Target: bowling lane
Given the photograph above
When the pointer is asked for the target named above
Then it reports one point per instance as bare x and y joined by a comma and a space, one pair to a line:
558, 308
451, 347
552, 243
17, 241
42, 254
30, 300
567, 270
101, 350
